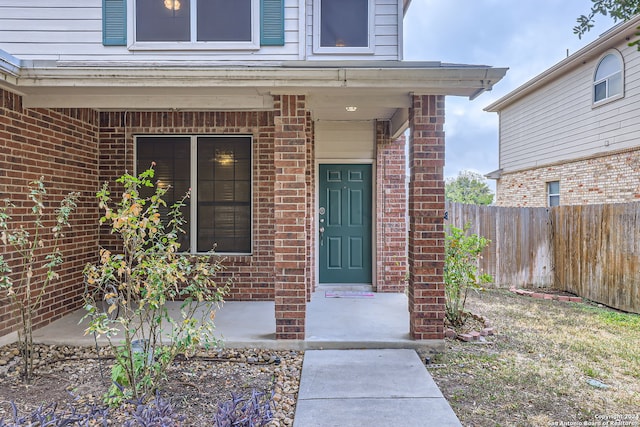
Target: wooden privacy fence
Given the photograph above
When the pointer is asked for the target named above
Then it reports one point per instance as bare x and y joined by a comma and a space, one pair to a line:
591, 250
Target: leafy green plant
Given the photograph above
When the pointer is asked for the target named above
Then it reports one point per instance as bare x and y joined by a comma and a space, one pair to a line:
149, 272
468, 187
36, 249
462, 253
619, 10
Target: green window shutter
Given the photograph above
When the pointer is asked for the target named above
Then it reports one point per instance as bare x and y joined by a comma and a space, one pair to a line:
272, 22
114, 22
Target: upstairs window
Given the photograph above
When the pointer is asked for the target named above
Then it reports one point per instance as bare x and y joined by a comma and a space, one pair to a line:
553, 193
198, 22
343, 26
193, 24
608, 80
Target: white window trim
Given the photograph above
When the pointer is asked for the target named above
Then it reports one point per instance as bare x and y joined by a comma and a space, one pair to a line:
318, 49
550, 194
193, 176
594, 82
254, 44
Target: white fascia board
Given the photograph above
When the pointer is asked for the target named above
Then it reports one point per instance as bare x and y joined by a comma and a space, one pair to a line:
406, 4
437, 80
246, 88
399, 122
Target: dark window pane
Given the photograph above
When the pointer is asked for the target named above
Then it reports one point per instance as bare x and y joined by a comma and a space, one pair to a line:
163, 20
243, 168
224, 194
242, 191
344, 23
224, 170
224, 20
171, 156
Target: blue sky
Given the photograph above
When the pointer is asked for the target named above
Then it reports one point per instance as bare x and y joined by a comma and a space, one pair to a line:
527, 36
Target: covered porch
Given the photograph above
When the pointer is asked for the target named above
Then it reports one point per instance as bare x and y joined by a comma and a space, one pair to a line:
280, 107
380, 321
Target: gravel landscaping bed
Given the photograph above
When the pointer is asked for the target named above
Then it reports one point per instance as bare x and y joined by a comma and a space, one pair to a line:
195, 386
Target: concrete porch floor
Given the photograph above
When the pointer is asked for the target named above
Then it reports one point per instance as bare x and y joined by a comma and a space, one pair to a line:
338, 387
332, 323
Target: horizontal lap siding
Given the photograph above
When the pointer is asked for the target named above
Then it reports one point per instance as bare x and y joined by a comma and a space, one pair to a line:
558, 121
72, 30
345, 140
387, 39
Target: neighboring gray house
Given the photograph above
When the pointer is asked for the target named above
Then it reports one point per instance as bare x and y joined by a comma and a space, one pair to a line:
283, 116
572, 134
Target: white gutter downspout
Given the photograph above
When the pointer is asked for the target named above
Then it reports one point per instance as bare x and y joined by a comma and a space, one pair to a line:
9, 68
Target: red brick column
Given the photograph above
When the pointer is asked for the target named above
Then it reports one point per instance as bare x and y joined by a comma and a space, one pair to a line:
311, 208
426, 222
290, 205
391, 211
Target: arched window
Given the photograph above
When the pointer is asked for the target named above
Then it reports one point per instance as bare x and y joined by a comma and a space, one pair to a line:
608, 80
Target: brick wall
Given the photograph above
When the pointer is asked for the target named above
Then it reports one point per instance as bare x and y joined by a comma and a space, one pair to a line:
391, 211
290, 205
79, 149
311, 207
426, 218
613, 178
61, 146
253, 276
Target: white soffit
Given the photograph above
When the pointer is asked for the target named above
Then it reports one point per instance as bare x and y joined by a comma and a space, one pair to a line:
377, 88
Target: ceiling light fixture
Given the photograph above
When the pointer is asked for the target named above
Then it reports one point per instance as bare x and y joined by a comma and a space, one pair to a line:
172, 4
224, 158
351, 108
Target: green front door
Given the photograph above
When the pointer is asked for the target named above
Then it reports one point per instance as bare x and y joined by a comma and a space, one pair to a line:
345, 224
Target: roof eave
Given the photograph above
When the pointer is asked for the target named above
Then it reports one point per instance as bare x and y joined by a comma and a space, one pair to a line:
406, 5
605, 41
441, 80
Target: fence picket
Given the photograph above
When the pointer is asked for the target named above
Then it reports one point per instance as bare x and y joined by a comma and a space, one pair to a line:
590, 250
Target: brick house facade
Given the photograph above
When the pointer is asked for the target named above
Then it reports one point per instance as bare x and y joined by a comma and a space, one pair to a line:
78, 121
61, 146
68, 147
613, 178
569, 136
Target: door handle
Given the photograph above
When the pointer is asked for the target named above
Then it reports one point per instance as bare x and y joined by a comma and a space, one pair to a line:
321, 236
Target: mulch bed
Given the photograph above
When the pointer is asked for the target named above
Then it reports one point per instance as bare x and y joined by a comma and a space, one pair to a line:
195, 387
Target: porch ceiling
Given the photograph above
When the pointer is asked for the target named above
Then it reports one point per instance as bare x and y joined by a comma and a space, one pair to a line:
378, 89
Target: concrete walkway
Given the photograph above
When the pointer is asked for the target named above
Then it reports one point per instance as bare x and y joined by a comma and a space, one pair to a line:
367, 373
388, 387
